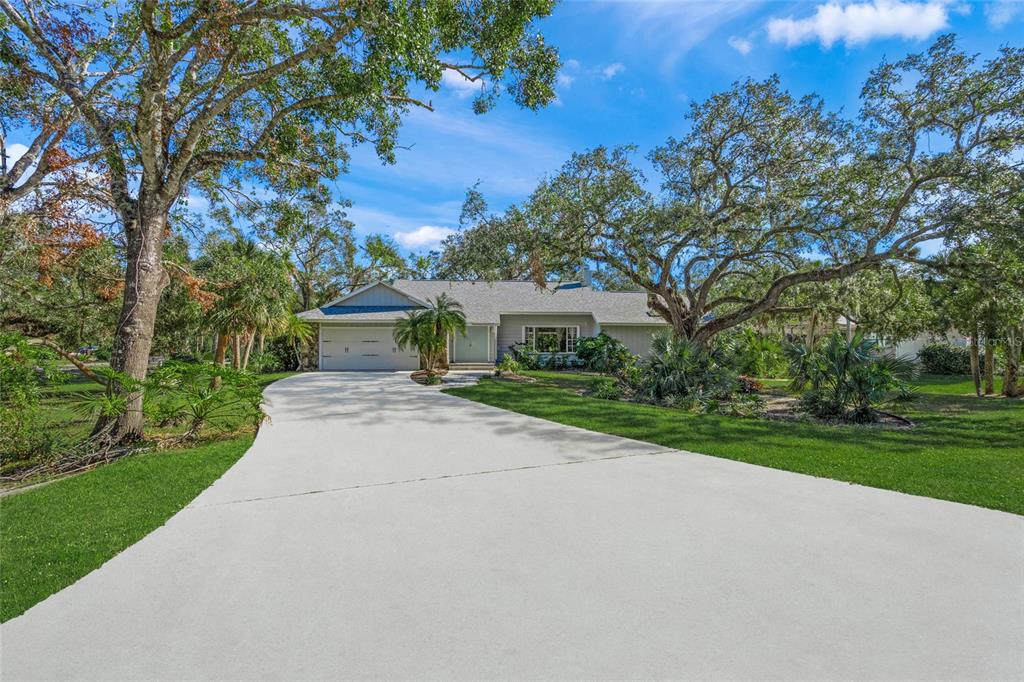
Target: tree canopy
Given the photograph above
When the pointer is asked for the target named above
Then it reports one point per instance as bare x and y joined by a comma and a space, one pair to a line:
767, 192
134, 105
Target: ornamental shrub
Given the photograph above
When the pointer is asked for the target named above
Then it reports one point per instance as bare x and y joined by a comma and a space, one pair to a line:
604, 354
680, 372
845, 380
527, 357
605, 388
945, 358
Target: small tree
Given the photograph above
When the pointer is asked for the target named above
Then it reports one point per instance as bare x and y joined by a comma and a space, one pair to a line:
296, 332
427, 330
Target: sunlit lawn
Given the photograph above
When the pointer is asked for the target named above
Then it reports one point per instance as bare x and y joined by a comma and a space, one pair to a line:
962, 448
55, 534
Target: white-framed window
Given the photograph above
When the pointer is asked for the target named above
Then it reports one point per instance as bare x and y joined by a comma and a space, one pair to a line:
551, 339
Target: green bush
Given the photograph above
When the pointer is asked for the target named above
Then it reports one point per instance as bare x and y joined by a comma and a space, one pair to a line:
681, 373
604, 354
267, 363
279, 355
845, 380
202, 395
944, 358
508, 365
24, 369
527, 357
605, 388
756, 354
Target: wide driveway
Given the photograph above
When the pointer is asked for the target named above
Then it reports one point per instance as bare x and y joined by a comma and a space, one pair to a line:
379, 529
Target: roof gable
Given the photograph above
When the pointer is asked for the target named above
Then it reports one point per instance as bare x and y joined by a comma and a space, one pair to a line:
377, 294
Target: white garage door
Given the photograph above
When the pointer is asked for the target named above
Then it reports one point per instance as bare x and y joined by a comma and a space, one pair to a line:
363, 348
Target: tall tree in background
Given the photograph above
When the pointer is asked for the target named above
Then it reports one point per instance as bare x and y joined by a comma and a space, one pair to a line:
254, 296
160, 97
978, 289
767, 192
315, 238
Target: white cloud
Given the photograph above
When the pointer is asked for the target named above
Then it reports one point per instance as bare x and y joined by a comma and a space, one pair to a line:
862, 22
741, 45
564, 79
612, 70
14, 152
571, 64
423, 237
1002, 12
462, 86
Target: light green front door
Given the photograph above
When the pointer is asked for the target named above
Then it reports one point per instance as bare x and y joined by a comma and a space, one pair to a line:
474, 346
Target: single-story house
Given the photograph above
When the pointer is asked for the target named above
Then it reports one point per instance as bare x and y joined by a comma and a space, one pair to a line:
355, 331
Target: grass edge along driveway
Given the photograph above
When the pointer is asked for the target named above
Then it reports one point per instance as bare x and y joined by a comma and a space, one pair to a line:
963, 449
55, 534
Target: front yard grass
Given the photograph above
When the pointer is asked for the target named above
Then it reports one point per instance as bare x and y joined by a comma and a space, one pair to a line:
55, 534
963, 448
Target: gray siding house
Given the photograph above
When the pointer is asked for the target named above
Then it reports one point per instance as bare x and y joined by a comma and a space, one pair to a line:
355, 330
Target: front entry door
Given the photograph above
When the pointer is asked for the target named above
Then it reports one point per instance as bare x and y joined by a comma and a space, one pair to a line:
474, 346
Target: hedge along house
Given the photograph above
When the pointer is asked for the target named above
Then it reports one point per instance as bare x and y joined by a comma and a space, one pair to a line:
355, 331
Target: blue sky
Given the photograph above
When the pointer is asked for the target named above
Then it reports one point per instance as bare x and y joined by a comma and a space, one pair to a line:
631, 70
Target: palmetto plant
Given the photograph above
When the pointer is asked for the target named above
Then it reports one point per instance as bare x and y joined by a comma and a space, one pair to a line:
181, 391
679, 369
845, 379
427, 329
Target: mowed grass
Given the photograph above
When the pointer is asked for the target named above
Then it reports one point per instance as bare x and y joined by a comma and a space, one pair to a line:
55, 534
59, 404
963, 448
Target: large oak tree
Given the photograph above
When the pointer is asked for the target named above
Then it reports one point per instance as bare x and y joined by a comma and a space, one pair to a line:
767, 193
157, 97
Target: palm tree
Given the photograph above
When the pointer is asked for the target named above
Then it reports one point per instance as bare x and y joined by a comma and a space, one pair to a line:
296, 331
427, 330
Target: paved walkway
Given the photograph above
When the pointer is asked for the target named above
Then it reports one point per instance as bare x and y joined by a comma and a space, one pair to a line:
379, 529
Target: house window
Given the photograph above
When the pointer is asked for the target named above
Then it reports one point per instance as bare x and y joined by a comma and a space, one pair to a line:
551, 339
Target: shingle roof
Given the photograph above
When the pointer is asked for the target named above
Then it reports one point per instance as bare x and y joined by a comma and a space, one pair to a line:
485, 302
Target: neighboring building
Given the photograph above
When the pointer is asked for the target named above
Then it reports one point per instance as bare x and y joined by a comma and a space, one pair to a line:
356, 329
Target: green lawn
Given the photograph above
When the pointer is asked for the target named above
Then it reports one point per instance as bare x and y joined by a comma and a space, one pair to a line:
73, 425
55, 534
963, 448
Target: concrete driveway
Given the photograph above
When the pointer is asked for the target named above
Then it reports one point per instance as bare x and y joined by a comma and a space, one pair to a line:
378, 529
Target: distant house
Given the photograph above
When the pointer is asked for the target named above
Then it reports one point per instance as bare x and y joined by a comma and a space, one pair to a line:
356, 329
899, 347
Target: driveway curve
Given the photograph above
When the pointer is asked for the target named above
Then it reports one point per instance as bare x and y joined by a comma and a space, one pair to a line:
379, 529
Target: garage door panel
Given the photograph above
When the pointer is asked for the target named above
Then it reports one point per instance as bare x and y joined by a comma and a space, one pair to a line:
364, 348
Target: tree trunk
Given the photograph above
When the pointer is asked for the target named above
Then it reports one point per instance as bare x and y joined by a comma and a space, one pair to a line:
1012, 370
990, 361
236, 352
221, 350
248, 350
975, 368
218, 355
811, 324
145, 279
263, 338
